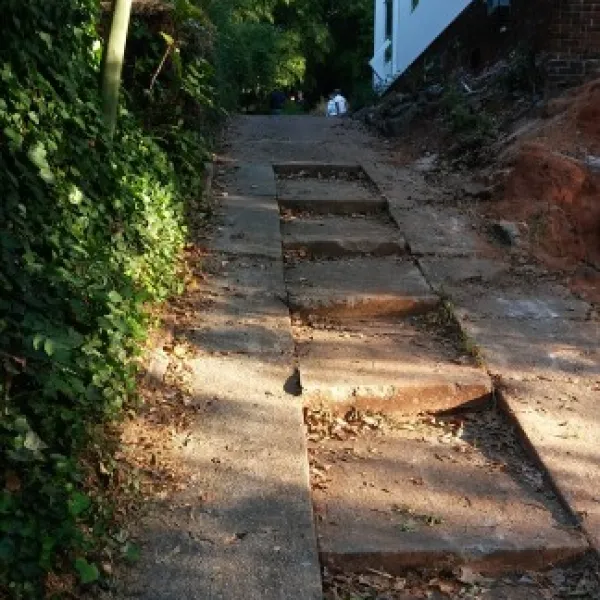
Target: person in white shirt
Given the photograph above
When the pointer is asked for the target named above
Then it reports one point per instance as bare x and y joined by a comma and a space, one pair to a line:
331, 110
341, 103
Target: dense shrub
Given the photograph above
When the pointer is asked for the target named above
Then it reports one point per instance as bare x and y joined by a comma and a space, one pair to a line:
90, 232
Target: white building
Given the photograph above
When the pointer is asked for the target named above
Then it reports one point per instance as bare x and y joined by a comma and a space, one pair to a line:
404, 29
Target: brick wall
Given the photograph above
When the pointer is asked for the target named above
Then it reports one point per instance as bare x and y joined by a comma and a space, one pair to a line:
477, 39
574, 41
566, 31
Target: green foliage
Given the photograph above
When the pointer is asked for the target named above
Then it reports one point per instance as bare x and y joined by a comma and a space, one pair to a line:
91, 231
313, 45
471, 128
170, 84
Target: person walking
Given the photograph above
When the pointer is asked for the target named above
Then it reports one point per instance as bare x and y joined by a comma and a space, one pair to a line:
341, 103
300, 101
331, 109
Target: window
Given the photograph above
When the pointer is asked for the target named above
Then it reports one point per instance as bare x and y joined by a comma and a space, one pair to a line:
389, 28
494, 4
389, 19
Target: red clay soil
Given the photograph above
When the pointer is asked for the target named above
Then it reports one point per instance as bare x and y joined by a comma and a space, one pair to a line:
557, 196
559, 199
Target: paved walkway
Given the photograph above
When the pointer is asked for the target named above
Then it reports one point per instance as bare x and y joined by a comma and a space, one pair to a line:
399, 306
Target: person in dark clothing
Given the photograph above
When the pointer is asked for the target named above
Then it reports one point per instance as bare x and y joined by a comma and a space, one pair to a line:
277, 102
300, 100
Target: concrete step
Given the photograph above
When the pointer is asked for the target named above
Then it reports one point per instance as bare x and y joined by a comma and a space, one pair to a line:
329, 196
312, 168
334, 237
250, 179
403, 370
423, 492
575, 579
364, 287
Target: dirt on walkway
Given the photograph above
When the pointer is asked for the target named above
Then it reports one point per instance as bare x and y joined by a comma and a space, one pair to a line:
540, 172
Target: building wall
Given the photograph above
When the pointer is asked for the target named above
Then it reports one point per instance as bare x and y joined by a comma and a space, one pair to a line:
418, 28
382, 67
478, 38
566, 31
574, 41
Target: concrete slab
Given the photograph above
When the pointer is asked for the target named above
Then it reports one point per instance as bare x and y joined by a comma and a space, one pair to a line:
336, 237
436, 495
451, 272
241, 276
359, 287
552, 348
243, 528
251, 179
275, 151
561, 424
403, 187
249, 226
255, 325
433, 230
328, 196
404, 372
245, 309
528, 331
519, 299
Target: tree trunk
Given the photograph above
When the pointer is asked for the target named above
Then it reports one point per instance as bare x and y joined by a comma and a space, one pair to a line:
114, 54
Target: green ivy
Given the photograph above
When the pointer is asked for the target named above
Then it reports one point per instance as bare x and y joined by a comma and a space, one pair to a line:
90, 232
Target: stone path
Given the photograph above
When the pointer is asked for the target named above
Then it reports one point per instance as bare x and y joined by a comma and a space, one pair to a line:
398, 307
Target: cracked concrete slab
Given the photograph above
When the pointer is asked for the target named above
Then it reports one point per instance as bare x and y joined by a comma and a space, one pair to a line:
359, 287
